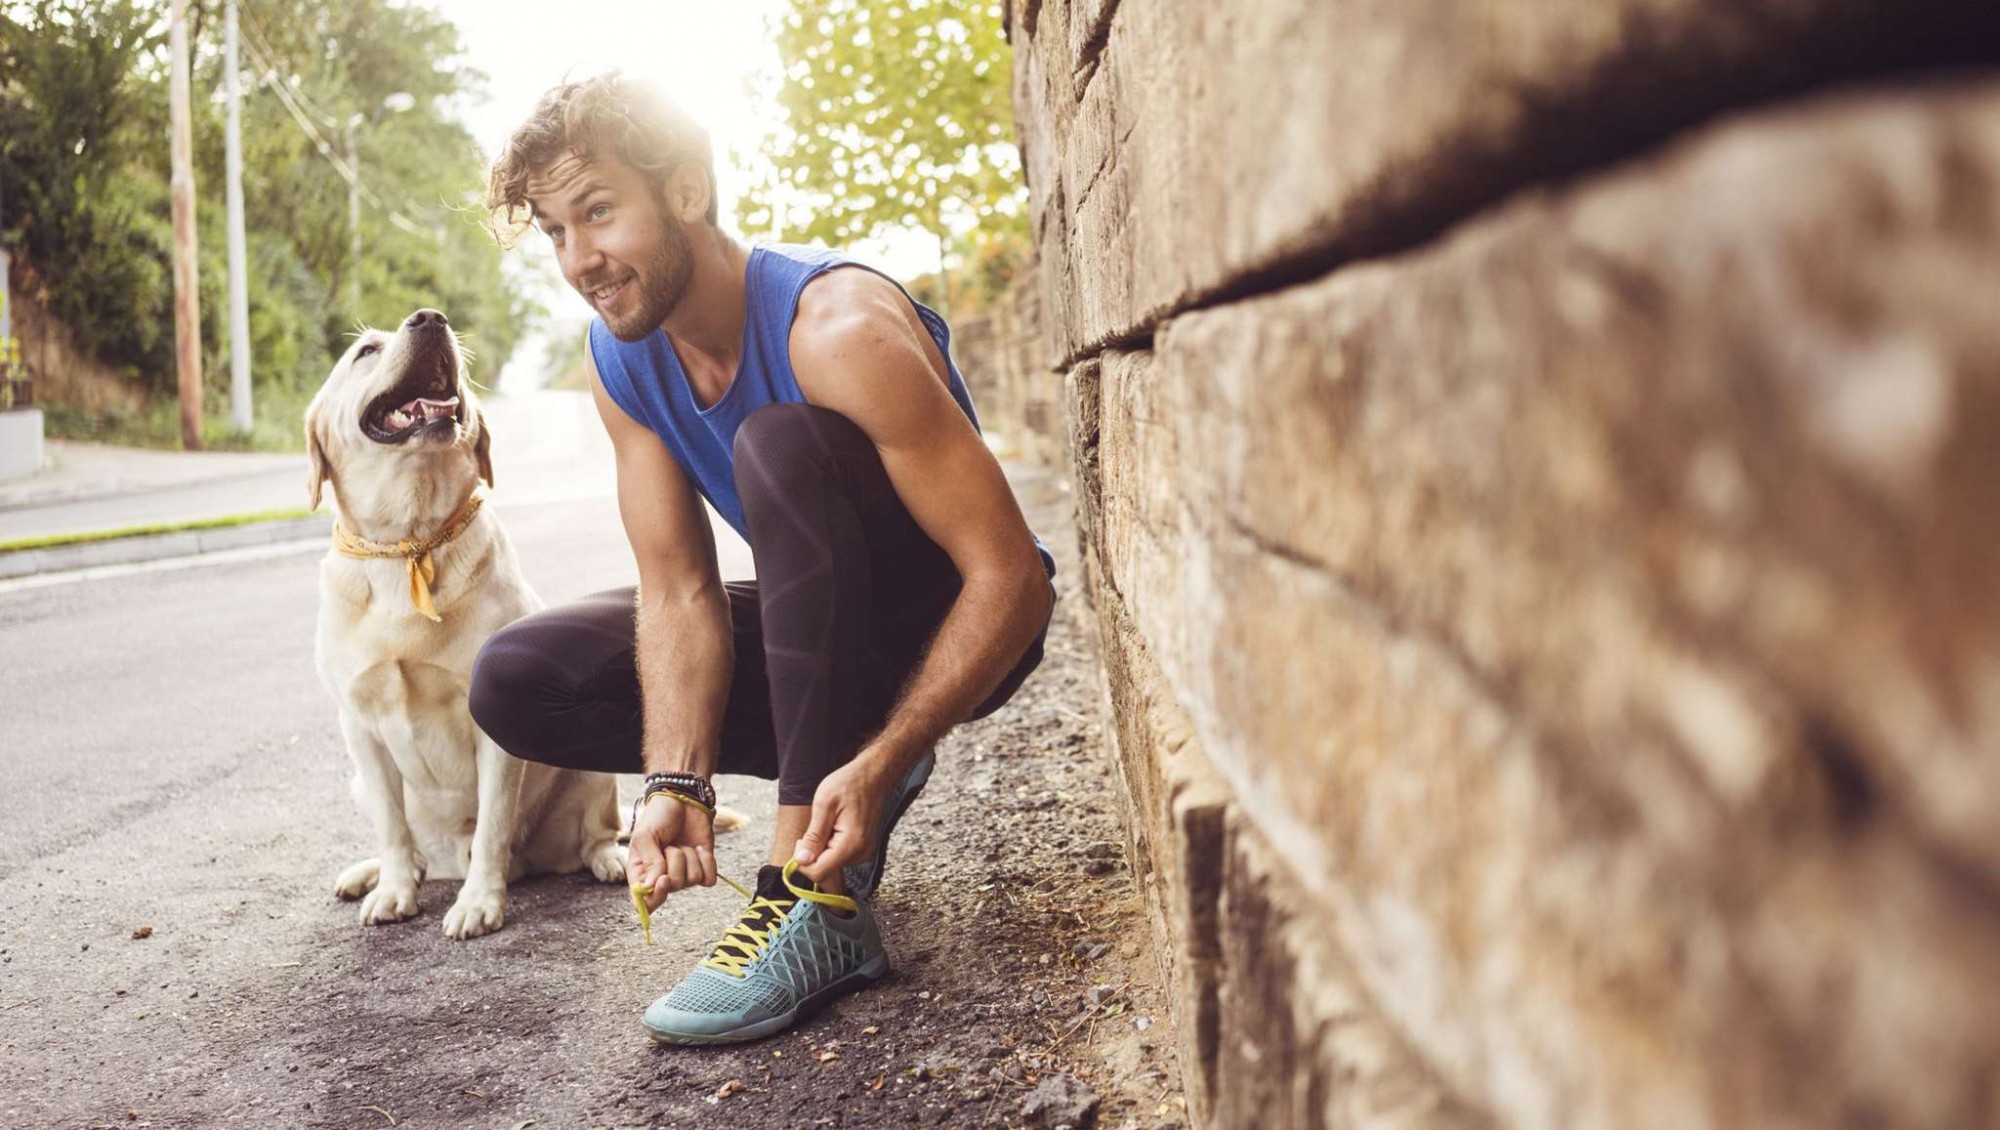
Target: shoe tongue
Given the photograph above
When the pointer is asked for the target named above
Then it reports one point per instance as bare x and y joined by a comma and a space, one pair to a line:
771, 884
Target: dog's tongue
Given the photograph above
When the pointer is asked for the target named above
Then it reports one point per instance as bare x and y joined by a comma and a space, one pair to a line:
429, 410
421, 410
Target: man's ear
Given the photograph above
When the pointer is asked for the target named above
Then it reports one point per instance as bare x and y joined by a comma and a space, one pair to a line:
318, 470
688, 192
482, 448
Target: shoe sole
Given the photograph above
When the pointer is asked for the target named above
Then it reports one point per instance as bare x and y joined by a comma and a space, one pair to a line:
861, 978
929, 765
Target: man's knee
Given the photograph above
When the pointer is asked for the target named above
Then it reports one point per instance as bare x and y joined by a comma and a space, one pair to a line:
779, 446
509, 680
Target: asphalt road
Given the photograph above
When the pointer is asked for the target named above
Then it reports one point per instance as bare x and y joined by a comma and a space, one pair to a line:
170, 767
171, 762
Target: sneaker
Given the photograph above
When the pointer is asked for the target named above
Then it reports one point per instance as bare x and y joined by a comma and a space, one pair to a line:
864, 877
788, 955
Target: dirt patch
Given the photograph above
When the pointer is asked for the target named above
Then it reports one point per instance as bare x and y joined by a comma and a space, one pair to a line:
1026, 986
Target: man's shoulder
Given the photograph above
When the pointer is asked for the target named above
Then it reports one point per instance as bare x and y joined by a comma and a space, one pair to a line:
847, 297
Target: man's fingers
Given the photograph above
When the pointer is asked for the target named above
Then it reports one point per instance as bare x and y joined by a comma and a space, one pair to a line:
706, 856
818, 832
842, 849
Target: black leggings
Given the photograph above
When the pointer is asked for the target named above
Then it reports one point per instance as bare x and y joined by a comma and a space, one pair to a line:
849, 592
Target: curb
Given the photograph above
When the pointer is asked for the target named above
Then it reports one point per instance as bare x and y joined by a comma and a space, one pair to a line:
154, 547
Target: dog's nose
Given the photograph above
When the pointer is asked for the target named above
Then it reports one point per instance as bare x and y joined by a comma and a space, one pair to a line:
423, 318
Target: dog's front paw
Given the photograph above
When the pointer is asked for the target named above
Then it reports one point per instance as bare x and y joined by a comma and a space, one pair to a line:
607, 862
392, 900
357, 880
477, 911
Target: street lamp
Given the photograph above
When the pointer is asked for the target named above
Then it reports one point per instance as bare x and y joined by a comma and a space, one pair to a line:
394, 103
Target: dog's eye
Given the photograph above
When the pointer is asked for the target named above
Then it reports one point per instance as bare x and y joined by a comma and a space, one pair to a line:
371, 347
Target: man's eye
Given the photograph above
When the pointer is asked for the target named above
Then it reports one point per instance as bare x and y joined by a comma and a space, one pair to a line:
553, 233
597, 211
371, 347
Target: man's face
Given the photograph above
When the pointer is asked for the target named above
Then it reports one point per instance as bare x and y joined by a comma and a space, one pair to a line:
614, 240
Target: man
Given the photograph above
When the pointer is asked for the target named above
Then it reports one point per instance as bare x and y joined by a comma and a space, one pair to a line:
899, 592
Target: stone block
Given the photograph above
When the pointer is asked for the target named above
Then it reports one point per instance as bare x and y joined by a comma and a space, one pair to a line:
1696, 463
1272, 1023
1299, 1043
1599, 613
1220, 147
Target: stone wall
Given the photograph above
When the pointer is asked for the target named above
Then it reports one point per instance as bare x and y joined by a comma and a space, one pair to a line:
1004, 358
1539, 470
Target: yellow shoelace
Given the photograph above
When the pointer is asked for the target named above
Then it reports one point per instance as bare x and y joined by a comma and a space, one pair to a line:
743, 942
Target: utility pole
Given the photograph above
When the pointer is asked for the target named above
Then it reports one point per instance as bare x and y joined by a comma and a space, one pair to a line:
239, 281
187, 298
6, 295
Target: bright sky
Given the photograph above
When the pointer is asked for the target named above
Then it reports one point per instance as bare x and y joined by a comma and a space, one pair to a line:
704, 54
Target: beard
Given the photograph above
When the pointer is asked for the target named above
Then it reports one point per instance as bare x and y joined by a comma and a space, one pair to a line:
657, 286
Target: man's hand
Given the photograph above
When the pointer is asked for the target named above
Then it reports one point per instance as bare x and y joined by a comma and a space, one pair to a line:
672, 849
847, 808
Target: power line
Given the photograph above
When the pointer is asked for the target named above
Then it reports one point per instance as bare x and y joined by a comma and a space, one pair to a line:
262, 57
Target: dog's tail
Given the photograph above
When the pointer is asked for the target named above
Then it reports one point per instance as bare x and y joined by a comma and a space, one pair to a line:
728, 819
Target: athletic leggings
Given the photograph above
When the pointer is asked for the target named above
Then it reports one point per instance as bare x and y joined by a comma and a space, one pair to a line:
849, 592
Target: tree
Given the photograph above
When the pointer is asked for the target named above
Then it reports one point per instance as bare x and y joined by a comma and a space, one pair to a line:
83, 150
898, 115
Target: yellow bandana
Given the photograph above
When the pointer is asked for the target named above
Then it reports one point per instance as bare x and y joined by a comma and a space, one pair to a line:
414, 552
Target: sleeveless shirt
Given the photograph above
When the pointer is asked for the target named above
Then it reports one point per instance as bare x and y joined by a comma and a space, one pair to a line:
645, 377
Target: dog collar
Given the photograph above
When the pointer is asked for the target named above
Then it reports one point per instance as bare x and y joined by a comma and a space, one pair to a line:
415, 552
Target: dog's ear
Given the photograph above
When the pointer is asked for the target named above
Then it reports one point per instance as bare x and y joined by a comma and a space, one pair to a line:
318, 470
482, 449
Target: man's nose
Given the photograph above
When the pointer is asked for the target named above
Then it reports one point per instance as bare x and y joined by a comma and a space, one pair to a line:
580, 259
426, 317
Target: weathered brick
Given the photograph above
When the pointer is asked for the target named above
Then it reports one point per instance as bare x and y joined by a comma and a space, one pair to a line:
1599, 612
1227, 141
1693, 461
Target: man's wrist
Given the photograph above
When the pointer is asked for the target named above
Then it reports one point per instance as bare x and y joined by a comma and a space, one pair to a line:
690, 786
887, 760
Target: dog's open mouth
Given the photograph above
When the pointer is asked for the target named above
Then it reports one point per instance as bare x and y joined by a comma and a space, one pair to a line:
423, 401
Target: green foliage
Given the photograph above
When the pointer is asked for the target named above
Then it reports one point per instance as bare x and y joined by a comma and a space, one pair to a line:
84, 162
899, 115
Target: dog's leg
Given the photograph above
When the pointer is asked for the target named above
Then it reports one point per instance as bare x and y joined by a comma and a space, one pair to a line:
482, 900
601, 853
390, 879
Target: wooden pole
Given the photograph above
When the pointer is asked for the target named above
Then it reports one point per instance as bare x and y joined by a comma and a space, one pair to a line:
239, 278
187, 297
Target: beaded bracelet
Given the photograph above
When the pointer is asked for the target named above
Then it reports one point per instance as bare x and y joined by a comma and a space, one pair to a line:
686, 788
690, 784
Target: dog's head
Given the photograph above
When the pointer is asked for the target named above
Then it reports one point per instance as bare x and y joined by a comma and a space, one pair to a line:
393, 398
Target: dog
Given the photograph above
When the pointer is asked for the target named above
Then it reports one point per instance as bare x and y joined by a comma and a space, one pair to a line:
419, 576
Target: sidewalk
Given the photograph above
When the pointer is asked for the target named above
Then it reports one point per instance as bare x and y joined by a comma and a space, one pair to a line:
548, 446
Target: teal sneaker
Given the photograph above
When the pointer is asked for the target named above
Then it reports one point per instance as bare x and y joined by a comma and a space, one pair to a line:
789, 954
864, 877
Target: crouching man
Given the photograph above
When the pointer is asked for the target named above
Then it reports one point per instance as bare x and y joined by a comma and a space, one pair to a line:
899, 592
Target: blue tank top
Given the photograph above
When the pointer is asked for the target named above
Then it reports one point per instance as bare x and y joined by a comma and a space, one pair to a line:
645, 378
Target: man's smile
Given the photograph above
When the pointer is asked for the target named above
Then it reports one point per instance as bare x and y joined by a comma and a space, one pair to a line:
606, 295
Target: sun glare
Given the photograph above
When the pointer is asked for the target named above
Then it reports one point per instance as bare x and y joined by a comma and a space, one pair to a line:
711, 58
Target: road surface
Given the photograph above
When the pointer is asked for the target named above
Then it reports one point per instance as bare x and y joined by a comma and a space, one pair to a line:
172, 768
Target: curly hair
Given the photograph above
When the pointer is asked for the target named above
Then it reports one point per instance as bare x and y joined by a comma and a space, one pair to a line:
604, 113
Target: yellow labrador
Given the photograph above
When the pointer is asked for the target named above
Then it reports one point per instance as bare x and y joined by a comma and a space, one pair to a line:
419, 576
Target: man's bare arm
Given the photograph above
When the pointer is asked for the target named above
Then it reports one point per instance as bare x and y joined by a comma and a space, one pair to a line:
859, 350
685, 654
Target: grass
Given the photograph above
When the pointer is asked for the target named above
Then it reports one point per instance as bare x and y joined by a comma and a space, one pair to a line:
48, 541
275, 426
